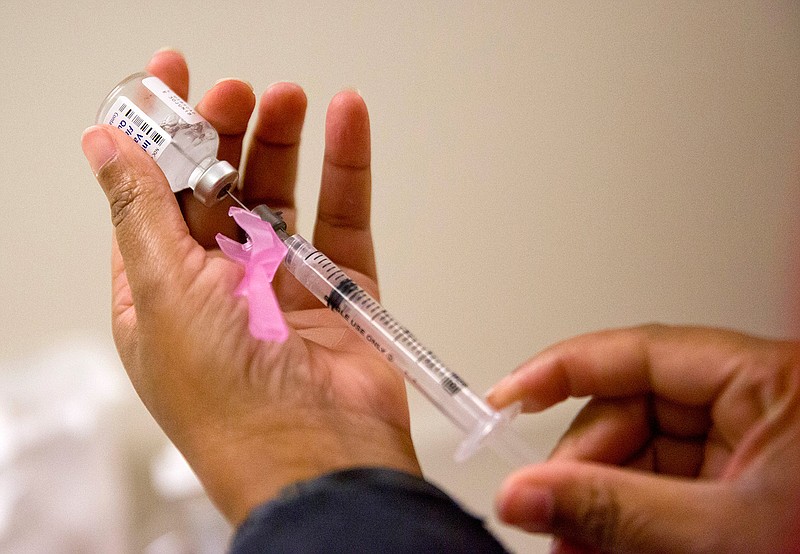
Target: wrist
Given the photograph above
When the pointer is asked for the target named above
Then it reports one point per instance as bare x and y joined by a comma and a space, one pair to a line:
244, 468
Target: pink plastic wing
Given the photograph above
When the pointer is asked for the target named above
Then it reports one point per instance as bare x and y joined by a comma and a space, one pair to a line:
260, 255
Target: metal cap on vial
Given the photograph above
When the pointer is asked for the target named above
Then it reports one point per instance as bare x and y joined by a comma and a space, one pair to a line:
214, 182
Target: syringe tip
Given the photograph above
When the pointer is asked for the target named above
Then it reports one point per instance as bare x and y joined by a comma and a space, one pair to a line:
273, 218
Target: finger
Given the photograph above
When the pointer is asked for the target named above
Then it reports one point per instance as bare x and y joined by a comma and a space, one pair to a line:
628, 432
150, 230
170, 66
606, 431
685, 365
227, 106
342, 227
563, 546
616, 510
271, 166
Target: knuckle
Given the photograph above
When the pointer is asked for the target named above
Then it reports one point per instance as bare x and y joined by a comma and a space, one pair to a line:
121, 204
595, 519
123, 191
123, 198
654, 328
650, 331
599, 519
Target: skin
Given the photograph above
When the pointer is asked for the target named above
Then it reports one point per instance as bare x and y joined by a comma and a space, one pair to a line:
690, 443
249, 416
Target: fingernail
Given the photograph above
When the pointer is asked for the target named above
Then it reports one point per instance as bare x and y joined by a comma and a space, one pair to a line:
248, 83
529, 508
167, 49
98, 147
499, 386
353, 89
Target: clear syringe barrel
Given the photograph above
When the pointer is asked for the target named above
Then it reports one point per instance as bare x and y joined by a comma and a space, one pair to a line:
396, 344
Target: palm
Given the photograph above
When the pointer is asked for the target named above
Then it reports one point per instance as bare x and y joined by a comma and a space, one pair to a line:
321, 357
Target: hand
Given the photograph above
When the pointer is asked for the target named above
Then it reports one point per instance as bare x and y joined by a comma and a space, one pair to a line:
690, 443
249, 416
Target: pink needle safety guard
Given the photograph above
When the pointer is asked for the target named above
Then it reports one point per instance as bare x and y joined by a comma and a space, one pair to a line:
260, 255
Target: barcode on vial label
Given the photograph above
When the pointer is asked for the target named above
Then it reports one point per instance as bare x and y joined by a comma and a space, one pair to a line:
143, 125
145, 132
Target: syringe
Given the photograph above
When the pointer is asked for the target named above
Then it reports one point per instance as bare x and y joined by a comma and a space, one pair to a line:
482, 424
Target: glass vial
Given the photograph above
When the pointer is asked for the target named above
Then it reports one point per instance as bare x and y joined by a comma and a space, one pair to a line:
179, 139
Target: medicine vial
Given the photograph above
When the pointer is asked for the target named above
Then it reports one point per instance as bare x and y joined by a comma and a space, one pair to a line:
181, 141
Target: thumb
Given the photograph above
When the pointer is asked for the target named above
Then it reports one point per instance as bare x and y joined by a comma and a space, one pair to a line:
150, 230
613, 509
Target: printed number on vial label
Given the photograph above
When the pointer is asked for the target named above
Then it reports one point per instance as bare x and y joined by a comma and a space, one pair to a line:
127, 117
177, 104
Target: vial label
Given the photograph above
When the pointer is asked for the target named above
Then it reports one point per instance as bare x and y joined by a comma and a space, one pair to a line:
171, 99
145, 132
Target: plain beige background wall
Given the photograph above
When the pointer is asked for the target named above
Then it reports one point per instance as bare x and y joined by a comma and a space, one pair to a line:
541, 169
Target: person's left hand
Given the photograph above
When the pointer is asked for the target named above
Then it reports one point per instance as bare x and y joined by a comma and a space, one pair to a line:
249, 416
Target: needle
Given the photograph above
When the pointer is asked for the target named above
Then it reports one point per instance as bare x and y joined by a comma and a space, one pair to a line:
237, 200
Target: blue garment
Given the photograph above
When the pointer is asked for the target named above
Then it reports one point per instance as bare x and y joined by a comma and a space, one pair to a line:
363, 510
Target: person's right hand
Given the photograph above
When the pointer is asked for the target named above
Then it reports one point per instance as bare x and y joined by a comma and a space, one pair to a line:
690, 443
